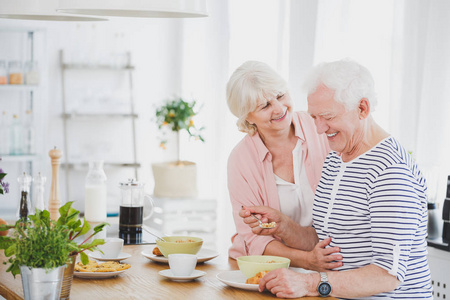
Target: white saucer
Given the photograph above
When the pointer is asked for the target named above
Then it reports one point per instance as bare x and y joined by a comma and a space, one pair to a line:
98, 256
97, 275
168, 274
202, 256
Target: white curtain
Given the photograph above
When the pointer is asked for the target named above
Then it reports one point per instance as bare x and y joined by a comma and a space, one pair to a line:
420, 77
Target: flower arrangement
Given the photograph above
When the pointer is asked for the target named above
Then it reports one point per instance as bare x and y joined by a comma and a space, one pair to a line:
4, 186
177, 115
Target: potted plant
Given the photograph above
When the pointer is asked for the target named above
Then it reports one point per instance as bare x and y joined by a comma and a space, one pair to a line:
81, 238
38, 249
176, 178
71, 228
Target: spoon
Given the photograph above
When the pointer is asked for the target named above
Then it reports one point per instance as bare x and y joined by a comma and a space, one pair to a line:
264, 225
156, 236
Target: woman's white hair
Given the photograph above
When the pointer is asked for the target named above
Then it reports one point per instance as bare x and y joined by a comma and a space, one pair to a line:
350, 81
248, 84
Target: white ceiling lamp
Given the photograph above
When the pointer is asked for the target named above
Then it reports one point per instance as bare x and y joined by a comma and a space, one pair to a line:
43, 10
135, 8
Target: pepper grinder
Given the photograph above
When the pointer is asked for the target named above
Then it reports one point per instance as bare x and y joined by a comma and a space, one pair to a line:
54, 203
24, 206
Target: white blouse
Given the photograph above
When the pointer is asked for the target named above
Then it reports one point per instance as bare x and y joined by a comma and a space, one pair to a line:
296, 199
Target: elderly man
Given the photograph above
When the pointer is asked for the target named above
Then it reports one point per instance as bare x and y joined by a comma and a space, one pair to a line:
371, 200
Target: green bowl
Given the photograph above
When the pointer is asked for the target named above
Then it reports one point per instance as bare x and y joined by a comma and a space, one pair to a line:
253, 264
179, 244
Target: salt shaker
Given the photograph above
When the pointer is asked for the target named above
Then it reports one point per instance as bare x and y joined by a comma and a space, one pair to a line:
38, 192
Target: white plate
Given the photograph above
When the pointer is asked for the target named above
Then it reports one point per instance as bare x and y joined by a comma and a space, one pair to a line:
97, 275
202, 256
98, 256
236, 279
168, 274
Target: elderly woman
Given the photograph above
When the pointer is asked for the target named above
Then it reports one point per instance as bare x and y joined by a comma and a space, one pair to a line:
277, 164
371, 200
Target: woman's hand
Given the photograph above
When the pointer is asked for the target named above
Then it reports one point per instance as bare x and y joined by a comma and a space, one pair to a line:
266, 215
285, 283
323, 259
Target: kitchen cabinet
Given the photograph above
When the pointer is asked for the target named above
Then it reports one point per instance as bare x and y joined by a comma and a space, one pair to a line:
20, 96
439, 261
99, 121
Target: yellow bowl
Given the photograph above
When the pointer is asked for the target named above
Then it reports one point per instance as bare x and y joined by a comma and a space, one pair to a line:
253, 264
179, 244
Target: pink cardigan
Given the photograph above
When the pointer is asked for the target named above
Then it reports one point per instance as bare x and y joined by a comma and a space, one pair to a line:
251, 179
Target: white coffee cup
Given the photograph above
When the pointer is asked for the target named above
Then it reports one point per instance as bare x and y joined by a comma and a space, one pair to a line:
111, 248
182, 264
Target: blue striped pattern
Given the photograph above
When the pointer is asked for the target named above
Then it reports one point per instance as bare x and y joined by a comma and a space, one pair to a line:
375, 209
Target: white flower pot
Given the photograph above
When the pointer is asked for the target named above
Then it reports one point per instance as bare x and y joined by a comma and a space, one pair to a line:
175, 180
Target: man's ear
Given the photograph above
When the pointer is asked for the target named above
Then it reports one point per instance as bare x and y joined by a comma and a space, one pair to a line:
363, 108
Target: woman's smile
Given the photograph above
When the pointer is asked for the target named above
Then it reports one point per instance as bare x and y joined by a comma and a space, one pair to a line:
282, 117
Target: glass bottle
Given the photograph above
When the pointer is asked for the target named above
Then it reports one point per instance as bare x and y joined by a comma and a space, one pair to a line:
24, 204
15, 71
31, 73
38, 192
28, 134
16, 136
3, 72
95, 193
5, 134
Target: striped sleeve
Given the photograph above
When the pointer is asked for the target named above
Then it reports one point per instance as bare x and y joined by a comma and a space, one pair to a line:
395, 213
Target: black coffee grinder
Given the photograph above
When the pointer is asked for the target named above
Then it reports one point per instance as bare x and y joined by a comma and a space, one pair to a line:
446, 215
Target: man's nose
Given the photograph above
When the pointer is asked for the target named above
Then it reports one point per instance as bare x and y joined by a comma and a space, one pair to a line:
321, 125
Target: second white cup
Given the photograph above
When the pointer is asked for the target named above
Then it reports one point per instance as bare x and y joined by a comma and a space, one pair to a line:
112, 247
182, 264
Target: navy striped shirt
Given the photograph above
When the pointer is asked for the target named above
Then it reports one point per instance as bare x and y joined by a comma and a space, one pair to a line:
375, 209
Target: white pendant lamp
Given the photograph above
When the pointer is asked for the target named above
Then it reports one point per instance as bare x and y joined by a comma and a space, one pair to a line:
135, 8
43, 10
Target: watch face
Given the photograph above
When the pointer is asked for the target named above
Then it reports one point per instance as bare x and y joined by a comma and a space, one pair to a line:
324, 289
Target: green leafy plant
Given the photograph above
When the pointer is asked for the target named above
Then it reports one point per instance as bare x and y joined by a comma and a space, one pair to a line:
38, 243
77, 228
177, 115
43, 243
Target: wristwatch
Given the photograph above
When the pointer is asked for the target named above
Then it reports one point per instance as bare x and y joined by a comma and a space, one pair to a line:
324, 287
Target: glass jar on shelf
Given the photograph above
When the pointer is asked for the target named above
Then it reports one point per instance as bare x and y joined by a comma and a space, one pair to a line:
16, 145
3, 72
31, 73
15, 71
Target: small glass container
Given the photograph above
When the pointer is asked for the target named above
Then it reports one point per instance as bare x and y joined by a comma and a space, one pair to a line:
3, 72
15, 71
31, 73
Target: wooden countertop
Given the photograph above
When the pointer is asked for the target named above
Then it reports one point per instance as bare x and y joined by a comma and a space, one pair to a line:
142, 281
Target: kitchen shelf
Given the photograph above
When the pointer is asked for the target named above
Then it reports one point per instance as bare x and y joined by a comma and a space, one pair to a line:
18, 158
74, 116
85, 165
96, 67
97, 113
18, 87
